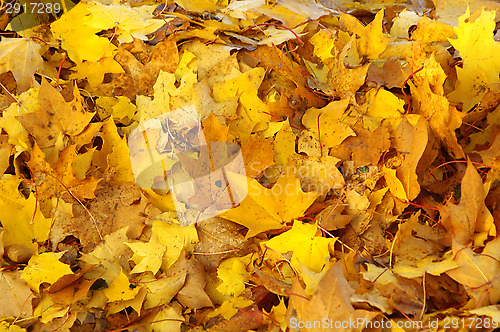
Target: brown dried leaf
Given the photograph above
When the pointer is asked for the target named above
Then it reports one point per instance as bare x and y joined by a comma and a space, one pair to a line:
331, 301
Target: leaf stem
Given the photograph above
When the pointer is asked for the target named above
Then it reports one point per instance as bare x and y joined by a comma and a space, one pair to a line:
422, 207
454, 161
319, 138
80, 202
40, 39
60, 67
403, 88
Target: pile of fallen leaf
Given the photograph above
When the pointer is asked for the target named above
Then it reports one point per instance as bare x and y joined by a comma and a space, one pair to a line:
370, 134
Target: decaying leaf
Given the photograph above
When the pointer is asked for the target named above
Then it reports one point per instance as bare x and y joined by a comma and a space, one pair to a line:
478, 272
332, 300
22, 57
45, 267
470, 215
15, 293
266, 209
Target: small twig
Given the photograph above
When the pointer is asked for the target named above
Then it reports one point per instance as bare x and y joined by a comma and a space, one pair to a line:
80, 202
319, 138
425, 297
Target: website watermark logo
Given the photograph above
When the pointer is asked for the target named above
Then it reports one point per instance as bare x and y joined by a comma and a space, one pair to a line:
169, 152
26, 14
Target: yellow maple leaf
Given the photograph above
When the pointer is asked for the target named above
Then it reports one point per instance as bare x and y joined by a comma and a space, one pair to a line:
128, 22
233, 274
382, 105
162, 290
78, 38
278, 312
187, 63
257, 154
284, 144
246, 87
15, 292
324, 44
331, 131
213, 63
478, 272
28, 102
480, 56
429, 265
471, 215
317, 174
306, 247
372, 40
168, 318
176, 238
266, 209
167, 96
56, 179
432, 31
120, 289
342, 81
22, 57
379, 275
449, 11
200, 6
47, 310
147, 108
214, 130
106, 254
202, 96
55, 116
134, 303
121, 108
310, 278
148, 256
94, 71
8, 327
430, 102
22, 219
485, 135
114, 156
292, 13
183, 96
490, 311
45, 267
412, 139
230, 307
394, 184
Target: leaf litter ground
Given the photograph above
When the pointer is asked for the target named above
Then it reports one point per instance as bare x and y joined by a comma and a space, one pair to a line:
370, 139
